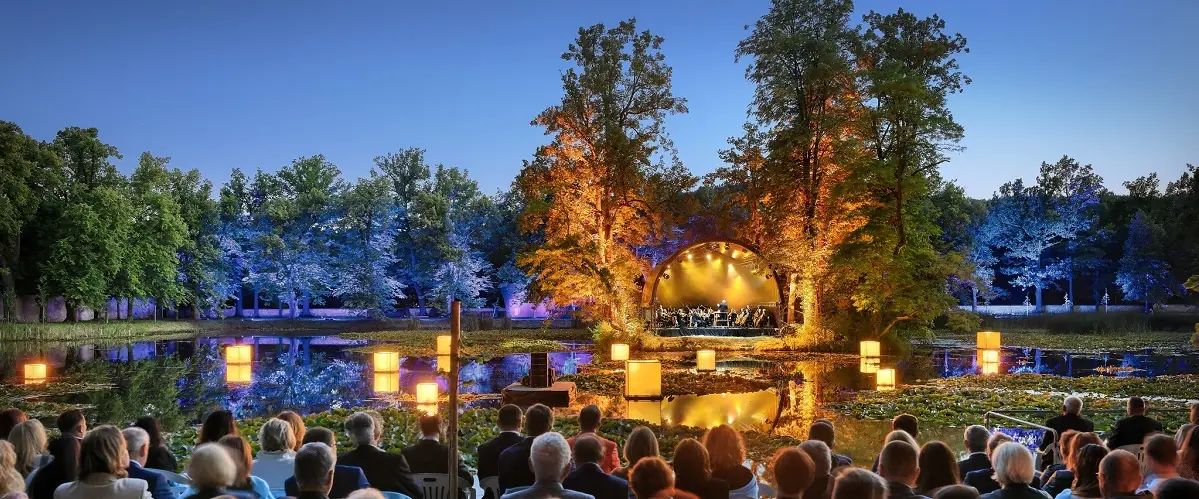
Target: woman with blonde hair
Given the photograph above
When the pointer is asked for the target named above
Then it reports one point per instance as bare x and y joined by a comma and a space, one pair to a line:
726, 451
103, 459
642, 443
212, 470
298, 428
29, 441
12, 485
275, 461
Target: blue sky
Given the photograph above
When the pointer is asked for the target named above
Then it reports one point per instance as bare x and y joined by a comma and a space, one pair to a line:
224, 84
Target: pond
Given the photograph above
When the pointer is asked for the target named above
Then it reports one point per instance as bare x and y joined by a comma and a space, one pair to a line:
181, 380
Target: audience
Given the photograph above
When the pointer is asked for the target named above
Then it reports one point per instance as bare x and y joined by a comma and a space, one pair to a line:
1086, 473
276, 459
160, 457
984, 480
1133, 429
137, 444
71, 424
384, 470
514, 461
651, 478
366, 494
488, 453
239, 449
1181, 435
1188, 456
589, 478
1065, 446
10, 418
857, 483
641, 443
822, 461
1119, 474
212, 470
1178, 488
298, 428
429, 455
1160, 460
63, 468
103, 461
589, 421
12, 484
1062, 479
726, 452
823, 430
693, 471
793, 472
1015, 472
217, 425
28, 439
346, 479
975, 438
938, 468
956, 492
1070, 419
905, 423
549, 456
315, 471
898, 463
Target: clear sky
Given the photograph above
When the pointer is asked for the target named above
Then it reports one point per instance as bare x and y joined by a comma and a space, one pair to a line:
255, 84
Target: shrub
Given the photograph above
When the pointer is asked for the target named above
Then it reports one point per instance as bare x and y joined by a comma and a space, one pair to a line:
963, 321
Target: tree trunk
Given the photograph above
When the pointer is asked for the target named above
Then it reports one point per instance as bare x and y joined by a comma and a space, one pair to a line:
420, 297
1039, 308
1147, 307
1070, 284
241, 297
307, 312
10, 296
812, 321
129, 310
974, 298
791, 292
291, 304
256, 292
72, 316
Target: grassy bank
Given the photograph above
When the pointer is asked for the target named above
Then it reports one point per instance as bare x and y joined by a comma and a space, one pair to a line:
1080, 342
97, 331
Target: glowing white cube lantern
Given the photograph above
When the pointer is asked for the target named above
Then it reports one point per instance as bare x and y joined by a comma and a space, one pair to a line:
387, 361
989, 359
239, 354
387, 382
885, 381
705, 360
426, 393
646, 410
868, 365
237, 374
643, 379
620, 351
988, 340
35, 373
443, 344
870, 349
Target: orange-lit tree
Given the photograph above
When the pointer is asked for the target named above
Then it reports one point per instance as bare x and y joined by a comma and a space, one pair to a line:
599, 190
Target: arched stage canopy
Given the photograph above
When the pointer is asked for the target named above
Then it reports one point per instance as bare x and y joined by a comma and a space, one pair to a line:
700, 276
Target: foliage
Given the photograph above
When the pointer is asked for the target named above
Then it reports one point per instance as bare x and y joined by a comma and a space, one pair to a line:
961, 321
1144, 273
365, 256
674, 382
463, 276
474, 344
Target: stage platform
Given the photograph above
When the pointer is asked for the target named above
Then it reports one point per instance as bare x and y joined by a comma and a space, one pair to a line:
740, 332
558, 395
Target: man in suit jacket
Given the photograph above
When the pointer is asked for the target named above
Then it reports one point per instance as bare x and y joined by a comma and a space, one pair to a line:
1133, 429
137, 443
550, 459
315, 463
976, 438
898, 463
384, 470
489, 451
589, 421
429, 455
514, 461
1070, 419
346, 479
589, 477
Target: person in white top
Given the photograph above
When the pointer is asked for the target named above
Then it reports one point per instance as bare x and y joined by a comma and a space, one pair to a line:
103, 459
275, 463
1160, 459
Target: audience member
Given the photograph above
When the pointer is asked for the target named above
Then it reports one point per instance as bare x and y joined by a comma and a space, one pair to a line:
488, 454
63, 468
824, 431
315, 471
793, 472
1119, 474
384, 470
549, 456
898, 463
1065, 444
589, 478
975, 438
651, 478
276, 460
906, 423
1133, 429
1160, 459
298, 428
366, 494
103, 460
589, 421
1014, 470
1062, 479
693, 471
857, 483
71, 424
822, 462
1086, 473
28, 439
984, 480
429, 455
239, 449
346, 479
1181, 435
956, 492
514, 470
9, 418
1195, 414
12, 484
938, 468
161, 457
217, 425
1188, 456
1070, 419
726, 452
893, 436
137, 444
641, 443
1178, 488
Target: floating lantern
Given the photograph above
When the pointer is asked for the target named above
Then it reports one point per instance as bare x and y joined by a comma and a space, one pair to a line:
988, 340
443, 344
646, 410
868, 365
239, 354
387, 361
443, 363
426, 393
705, 360
387, 382
990, 361
643, 379
237, 374
620, 351
35, 373
885, 380
870, 349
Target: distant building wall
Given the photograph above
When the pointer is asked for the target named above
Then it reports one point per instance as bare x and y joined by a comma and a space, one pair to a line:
1061, 309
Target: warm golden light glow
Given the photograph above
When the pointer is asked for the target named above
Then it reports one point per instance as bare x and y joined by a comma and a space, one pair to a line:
868, 365
443, 363
237, 373
734, 253
239, 354
885, 380
989, 360
620, 351
870, 349
426, 393
35, 373
387, 382
744, 411
427, 409
692, 283
988, 340
387, 361
705, 360
646, 410
443, 344
709, 256
643, 378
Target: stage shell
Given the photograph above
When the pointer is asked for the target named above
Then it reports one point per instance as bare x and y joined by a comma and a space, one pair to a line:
706, 272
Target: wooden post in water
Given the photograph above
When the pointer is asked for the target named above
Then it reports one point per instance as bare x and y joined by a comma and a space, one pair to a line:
452, 375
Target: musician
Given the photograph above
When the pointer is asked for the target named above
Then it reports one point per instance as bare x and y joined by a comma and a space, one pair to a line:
760, 317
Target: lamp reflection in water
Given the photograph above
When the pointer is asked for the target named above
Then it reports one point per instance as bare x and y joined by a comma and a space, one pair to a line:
426, 393
443, 363
646, 410
35, 373
643, 379
868, 365
237, 364
885, 380
988, 340
989, 360
743, 411
387, 372
705, 360
443, 344
620, 351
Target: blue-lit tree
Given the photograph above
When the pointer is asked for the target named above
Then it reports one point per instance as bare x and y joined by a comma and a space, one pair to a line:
1144, 273
365, 247
465, 275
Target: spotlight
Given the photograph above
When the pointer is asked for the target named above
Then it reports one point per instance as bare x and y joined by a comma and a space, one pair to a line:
709, 255
665, 276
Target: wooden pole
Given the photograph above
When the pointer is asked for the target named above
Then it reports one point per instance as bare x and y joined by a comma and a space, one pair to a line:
452, 423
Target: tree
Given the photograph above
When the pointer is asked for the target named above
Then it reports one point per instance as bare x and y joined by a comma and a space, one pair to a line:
157, 233
1144, 273
416, 244
1074, 190
463, 277
598, 190
29, 172
1021, 222
86, 259
201, 282
365, 247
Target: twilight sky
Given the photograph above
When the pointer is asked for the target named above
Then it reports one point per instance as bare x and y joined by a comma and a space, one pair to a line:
223, 84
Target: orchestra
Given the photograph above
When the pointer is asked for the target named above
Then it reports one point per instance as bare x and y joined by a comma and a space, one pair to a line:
719, 316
